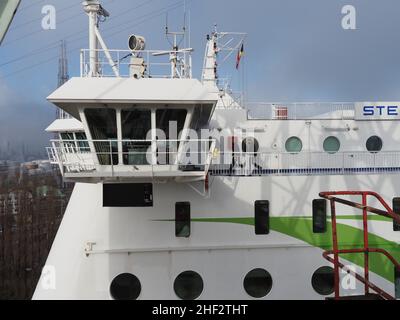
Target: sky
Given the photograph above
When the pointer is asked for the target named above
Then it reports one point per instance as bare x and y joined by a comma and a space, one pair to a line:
295, 50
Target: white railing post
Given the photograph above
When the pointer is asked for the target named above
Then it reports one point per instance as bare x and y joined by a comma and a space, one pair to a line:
111, 159
343, 162
119, 137
82, 59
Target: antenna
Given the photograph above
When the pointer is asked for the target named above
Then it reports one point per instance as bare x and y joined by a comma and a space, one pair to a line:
94, 11
184, 15
63, 75
220, 47
180, 59
166, 23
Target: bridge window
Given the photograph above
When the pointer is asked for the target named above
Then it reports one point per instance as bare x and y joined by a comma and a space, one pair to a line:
171, 123
75, 140
125, 286
68, 140
103, 126
293, 145
319, 215
374, 144
188, 285
82, 142
261, 219
67, 136
258, 283
173, 119
182, 219
331, 145
136, 124
396, 210
323, 281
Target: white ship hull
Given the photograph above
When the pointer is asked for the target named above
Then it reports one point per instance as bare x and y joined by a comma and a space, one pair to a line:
142, 241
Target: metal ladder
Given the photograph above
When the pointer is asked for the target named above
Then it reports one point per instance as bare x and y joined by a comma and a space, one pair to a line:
388, 212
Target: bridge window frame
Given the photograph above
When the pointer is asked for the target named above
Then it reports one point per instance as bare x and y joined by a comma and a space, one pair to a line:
135, 152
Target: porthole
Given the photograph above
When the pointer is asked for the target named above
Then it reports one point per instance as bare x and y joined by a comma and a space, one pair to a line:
293, 145
250, 145
125, 286
374, 144
331, 145
323, 281
257, 283
188, 285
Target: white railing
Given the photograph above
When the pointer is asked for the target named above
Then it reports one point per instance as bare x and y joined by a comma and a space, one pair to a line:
300, 111
62, 115
305, 163
129, 157
156, 63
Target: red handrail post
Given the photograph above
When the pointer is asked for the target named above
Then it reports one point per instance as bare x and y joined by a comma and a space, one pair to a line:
335, 249
366, 246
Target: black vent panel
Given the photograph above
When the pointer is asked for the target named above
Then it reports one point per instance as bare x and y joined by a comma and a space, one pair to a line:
128, 195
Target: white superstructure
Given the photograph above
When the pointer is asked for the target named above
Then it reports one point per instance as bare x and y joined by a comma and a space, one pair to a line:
183, 191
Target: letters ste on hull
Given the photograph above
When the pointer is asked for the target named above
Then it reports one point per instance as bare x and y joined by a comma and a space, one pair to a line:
377, 110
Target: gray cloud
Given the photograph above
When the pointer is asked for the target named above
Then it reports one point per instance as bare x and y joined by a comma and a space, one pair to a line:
295, 51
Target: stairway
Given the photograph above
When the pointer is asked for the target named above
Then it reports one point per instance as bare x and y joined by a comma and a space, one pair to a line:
379, 294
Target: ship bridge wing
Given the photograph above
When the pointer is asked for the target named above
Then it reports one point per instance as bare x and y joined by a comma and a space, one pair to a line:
136, 129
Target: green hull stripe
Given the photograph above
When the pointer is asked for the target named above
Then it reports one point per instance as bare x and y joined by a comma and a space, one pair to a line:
349, 237
360, 217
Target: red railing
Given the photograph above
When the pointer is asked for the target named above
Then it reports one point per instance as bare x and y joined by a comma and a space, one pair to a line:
388, 212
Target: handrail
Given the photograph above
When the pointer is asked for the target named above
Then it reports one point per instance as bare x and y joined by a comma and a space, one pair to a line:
134, 140
388, 214
299, 110
128, 157
234, 163
156, 63
331, 196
